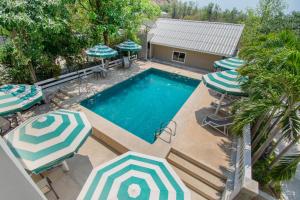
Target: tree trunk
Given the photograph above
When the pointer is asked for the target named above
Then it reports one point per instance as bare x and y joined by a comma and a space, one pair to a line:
261, 134
32, 73
271, 136
257, 125
258, 153
105, 37
276, 144
283, 152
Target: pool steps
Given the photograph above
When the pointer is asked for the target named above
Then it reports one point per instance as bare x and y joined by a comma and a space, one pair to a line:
205, 181
58, 97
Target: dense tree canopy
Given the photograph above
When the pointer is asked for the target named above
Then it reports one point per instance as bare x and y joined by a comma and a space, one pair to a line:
108, 17
40, 33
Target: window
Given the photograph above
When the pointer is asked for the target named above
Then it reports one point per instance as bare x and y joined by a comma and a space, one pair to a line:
178, 56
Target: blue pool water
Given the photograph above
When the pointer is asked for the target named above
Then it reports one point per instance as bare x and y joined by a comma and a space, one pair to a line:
141, 103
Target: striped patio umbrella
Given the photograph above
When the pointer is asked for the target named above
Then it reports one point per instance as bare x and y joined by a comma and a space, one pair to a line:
15, 98
134, 176
101, 51
225, 82
229, 64
129, 46
46, 140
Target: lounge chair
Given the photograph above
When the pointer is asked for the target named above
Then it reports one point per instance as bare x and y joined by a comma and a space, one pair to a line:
224, 105
220, 125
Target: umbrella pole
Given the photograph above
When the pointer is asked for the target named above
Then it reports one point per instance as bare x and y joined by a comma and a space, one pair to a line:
102, 63
65, 166
220, 101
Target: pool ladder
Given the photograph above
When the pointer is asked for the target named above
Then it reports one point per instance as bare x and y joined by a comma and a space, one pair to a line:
165, 128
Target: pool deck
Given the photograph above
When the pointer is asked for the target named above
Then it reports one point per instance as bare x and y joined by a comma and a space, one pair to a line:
191, 138
201, 144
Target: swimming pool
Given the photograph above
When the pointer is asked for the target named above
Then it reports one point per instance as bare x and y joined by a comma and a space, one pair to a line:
142, 103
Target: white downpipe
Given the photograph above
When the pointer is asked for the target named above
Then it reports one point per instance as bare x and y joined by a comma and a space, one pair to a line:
219, 105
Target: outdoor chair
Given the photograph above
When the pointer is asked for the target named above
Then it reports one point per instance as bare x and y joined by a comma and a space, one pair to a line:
126, 62
218, 124
100, 71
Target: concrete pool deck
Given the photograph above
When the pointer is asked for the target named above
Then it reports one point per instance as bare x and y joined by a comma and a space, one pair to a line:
204, 145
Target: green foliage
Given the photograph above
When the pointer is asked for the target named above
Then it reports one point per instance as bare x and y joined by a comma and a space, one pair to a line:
286, 169
211, 12
271, 49
108, 18
37, 31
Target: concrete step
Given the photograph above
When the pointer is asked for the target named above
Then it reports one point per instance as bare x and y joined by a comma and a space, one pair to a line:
65, 92
61, 96
196, 185
197, 172
56, 102
200, 165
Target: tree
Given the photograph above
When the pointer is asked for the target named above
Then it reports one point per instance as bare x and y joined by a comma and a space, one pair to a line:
37, 31
272, 107
107, 17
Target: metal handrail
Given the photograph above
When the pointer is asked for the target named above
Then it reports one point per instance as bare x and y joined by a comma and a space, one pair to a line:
175, 126
166, 129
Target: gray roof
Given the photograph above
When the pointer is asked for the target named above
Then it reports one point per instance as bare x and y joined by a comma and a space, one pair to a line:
208, 37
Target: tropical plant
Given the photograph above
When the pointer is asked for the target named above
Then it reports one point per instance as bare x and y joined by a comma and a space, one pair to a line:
272, 108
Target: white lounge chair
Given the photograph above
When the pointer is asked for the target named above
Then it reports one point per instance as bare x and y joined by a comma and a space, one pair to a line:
220, 125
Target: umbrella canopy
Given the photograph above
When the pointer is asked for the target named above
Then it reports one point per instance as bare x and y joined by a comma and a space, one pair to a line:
229, 64
46, 140
225, 82
134, 175
101, 51
129, 46
15, 98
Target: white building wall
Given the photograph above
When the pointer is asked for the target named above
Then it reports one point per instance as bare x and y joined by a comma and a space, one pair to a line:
15, 183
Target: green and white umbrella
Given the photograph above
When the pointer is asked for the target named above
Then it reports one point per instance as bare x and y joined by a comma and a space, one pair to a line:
101, 51
229, 64
134, 176
46, 140
15, 98
129, 46
225, 82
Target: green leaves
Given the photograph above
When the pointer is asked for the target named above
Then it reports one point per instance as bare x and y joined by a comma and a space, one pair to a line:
107, 17
286, 168
38, 32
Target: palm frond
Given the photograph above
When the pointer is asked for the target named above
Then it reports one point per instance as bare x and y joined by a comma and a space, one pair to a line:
286, 168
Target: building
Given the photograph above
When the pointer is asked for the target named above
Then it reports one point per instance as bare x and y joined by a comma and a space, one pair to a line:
193, 43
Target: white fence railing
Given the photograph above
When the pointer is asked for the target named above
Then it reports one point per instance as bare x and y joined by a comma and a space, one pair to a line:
243, 171
74, 75
242, 183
